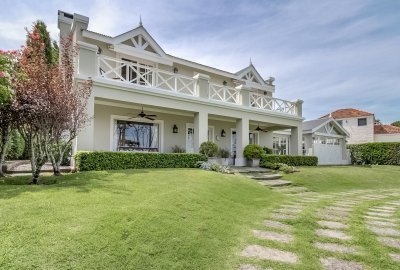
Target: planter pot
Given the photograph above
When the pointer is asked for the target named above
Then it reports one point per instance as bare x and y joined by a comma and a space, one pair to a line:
224, 161
253, 162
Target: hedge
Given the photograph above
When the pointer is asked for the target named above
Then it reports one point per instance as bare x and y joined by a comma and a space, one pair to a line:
107, 160
289, 160
380, 153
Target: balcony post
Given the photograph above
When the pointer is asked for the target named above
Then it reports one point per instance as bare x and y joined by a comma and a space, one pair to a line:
202, 84
244, 94
87, 60
299, 107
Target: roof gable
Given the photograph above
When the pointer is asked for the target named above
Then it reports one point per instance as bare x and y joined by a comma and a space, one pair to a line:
328, 126
250, 75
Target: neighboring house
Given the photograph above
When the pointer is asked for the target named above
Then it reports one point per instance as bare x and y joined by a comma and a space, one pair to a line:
144, 99
386, 133
363, 128
326, 139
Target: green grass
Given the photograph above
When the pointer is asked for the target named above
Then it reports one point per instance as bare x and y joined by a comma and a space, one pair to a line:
175, 219
343, 178
133, 219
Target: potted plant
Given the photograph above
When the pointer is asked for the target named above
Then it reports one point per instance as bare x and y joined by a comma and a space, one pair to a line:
210, 150
253, 153
224, 155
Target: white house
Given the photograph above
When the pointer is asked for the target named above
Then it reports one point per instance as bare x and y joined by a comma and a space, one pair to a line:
363, 128
144, 99
326, 139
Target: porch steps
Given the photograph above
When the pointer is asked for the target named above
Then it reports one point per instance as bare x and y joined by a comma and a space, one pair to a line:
250, 170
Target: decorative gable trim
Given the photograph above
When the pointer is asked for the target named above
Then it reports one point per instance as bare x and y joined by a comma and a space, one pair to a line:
329, 125
253, 79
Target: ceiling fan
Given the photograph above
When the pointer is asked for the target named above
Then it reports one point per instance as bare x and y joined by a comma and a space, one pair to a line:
143, 115
261, 129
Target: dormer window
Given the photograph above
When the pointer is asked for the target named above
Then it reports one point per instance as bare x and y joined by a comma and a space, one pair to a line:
362, 122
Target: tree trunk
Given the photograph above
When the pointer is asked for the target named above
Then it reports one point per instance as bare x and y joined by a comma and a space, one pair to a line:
5, 136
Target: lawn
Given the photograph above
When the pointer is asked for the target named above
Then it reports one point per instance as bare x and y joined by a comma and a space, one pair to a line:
182, 219
133, 219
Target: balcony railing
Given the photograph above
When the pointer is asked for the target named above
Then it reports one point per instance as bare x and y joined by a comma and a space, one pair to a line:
224, 93
272, 104
131, 72
140, 74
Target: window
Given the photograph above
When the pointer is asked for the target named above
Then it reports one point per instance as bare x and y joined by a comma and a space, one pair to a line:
136, 136
362, 122
280, 145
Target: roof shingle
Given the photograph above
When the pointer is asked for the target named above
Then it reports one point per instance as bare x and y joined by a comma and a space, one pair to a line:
346, 113
386, 129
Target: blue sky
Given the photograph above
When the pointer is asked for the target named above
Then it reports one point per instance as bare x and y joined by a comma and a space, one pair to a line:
332, 54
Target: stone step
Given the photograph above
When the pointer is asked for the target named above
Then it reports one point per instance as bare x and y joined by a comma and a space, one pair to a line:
267, 177
292, 190
246, 170
275, 183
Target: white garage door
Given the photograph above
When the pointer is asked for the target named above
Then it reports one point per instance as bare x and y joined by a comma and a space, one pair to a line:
328, 154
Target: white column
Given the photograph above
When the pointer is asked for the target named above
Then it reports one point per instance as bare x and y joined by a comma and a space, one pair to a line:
85, 138
200, 129
296, 141
242, 139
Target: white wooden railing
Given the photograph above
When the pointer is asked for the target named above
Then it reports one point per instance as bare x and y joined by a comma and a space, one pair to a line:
272, 104
131, 72
224, 93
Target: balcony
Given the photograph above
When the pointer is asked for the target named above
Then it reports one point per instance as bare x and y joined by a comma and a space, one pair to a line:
134, 73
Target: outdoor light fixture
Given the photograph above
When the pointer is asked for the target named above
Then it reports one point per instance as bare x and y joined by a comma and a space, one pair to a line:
224, 83
223, 133
175, 129
175, 70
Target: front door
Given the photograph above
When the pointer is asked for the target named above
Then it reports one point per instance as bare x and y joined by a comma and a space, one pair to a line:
189, 138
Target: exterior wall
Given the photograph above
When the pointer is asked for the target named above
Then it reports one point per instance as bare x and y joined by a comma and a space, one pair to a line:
387, 137
362, 134
308, 144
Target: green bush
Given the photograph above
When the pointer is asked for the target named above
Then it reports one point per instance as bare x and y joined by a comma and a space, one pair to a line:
16, 146
224, 153
178, 149
380, 153
289, 160
267, 150
210, 149
253, 151
106, 160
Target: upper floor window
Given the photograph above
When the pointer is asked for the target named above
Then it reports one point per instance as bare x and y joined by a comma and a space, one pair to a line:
362, 122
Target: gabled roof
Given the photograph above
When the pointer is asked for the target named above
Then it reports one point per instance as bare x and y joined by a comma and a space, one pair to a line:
314, 125
347, 113
250, 73
386, 129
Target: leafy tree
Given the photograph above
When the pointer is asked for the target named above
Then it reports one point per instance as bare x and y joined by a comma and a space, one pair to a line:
396, 124
50, 48
8, 60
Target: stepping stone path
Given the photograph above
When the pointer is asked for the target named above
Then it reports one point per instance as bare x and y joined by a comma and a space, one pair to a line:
272, 254
336, 264
332, 224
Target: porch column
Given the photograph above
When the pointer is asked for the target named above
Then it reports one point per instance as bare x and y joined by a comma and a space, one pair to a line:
296, 141
242, 139
85, 139
200, 129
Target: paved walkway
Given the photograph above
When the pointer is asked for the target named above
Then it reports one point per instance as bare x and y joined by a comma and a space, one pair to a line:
334, 239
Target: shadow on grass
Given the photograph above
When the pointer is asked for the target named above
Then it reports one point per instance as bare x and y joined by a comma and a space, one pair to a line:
83, 182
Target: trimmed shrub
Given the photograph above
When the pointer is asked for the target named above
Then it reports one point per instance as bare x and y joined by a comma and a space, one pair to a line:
289, 160
253, 151
107, 160
178, 149
380, 153
224, 153
267, 150
210, 149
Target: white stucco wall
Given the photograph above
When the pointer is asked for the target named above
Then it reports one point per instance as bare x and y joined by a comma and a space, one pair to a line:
387, 137
359, 134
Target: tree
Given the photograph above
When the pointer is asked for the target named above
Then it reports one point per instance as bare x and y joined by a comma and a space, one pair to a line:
68, 106
50, 48
396, 124
8, 60
33, 99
